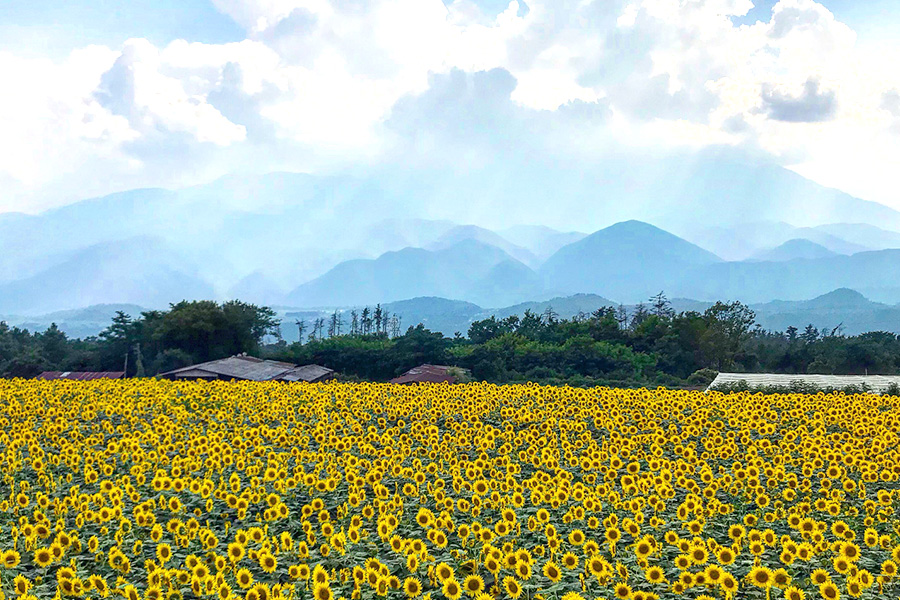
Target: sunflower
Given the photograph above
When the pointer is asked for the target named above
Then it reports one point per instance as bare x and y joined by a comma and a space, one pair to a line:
829, 591
729, 584
451, 589
43, 557
492, 565
655, 575
412, 587
512, 587
322, 592
714, 574
98, 584
320, 575
794, 593
781, 579
595, 566
841, 564
819, 577
262, 591
244, 578
21, 585
268, 562
552, 571
613, 535
643, 549
473, 584
201, 571
163, 552
381, 588
850, 551
235, 551
10, 559
736, 532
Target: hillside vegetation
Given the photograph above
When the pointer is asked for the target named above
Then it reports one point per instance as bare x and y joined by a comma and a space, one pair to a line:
647, 345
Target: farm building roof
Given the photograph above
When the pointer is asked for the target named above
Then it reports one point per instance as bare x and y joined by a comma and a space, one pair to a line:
427, 374
875, 383
249, 368
307, 373
81, 375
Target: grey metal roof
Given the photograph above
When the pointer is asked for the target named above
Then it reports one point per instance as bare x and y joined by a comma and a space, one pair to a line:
235, 367
82, 375
310, 373
876, 383
192, 373
251, 369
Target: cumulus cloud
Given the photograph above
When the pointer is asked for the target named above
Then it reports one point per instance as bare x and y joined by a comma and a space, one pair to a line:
811, 105
471, 120
324, 85
52, 125
137, 88
890, 101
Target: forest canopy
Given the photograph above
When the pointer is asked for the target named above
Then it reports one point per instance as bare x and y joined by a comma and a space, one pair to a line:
648, 346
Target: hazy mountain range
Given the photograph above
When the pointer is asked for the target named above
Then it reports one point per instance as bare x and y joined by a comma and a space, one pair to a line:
721, 229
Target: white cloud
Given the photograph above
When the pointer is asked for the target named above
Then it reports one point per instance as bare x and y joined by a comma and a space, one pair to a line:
315, 81
138, 88
52, 126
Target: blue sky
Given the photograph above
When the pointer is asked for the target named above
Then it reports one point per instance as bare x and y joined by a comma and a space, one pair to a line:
871, 19
103, 96
63, 25
59, 26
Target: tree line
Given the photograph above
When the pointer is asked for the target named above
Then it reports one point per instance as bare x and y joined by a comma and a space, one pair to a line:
378, 321
153, 342
647, 346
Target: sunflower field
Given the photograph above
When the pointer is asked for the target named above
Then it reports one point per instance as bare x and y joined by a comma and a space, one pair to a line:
157, 489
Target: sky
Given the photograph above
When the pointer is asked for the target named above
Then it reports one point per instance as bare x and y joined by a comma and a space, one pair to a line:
101, 96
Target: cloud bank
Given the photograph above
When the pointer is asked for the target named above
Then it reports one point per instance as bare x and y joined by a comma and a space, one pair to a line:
330, 86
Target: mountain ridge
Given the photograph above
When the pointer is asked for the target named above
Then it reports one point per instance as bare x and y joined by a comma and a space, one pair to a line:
795, 248
600, 262
260, 234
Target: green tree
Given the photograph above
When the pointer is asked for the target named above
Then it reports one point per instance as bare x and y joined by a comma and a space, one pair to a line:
206, 330
728, 327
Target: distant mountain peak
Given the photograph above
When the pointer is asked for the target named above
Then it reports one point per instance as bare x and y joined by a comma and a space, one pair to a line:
796, 248
628, 261
461, 271
635, 231
841, 298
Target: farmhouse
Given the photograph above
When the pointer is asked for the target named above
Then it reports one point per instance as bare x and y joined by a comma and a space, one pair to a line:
81, 375
249, 368
877, 384
430, 374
